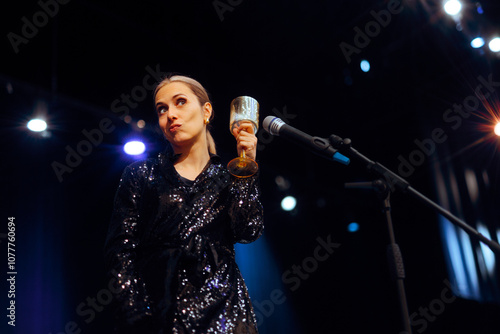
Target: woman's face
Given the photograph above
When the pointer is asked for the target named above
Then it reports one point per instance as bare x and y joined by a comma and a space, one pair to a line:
180, 116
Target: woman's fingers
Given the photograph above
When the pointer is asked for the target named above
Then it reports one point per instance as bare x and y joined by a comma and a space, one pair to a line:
246, 140
246, 126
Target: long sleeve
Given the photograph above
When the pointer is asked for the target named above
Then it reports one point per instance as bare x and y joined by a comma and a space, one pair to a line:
246, 210
121, 247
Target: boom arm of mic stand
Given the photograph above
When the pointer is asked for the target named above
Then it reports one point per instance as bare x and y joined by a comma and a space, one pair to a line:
394, 181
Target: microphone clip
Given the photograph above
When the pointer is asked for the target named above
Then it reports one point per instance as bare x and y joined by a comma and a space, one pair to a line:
340, 143
323, 144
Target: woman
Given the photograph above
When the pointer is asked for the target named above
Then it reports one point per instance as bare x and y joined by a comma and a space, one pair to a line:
176, 217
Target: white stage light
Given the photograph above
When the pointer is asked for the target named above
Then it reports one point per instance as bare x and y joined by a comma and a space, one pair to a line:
452, 7
494, 44
37, 125
288, 203
134, 147
497, 129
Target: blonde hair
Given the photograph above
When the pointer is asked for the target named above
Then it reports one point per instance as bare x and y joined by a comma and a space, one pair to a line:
202, 95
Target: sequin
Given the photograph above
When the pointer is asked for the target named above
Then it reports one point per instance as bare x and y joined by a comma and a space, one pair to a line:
170, 246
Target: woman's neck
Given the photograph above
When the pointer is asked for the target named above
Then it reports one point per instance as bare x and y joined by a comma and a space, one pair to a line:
192, 160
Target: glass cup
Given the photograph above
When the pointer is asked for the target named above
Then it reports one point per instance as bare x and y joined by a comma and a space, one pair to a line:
243, 109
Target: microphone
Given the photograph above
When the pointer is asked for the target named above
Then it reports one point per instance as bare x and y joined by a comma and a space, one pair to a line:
320, 146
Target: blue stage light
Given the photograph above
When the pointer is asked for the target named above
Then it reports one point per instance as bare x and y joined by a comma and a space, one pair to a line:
365, 65
353, 227
477, 42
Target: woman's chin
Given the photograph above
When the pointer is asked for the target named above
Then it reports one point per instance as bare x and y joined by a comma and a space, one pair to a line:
179, 142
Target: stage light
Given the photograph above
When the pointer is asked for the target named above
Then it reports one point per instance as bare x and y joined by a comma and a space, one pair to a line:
134, 147
488, 263
452, 7
141, 124
282, 183
37, 125
494, 44
353, 227
365, 65
288, 203
479, 8
497, 129
477, 42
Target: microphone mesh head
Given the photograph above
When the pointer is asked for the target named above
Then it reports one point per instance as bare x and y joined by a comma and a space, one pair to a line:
272, 125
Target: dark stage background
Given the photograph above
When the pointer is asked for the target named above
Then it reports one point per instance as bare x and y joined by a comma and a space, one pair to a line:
86, 62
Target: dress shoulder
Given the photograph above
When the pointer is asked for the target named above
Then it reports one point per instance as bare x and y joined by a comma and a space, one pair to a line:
139, 170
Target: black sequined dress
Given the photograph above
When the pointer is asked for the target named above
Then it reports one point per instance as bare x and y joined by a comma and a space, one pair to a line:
170, 248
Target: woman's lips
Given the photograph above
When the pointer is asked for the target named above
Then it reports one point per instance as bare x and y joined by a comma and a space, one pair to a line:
174, 127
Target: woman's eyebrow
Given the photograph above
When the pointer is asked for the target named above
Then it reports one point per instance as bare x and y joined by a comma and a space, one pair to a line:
173, 97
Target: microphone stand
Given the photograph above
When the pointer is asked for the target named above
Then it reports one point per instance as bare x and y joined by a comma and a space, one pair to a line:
394, 257
387, 183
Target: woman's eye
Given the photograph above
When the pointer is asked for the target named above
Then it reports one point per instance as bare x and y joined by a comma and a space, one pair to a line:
181, 102
162, 110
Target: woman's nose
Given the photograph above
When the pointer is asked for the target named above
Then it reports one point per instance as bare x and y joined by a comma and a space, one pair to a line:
172, 114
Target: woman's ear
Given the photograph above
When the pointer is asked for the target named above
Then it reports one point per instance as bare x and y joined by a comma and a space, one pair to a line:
207, 111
